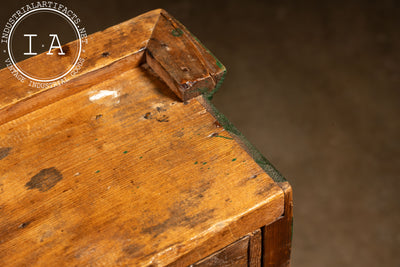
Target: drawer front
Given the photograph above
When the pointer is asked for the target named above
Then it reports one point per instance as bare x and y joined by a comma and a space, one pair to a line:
242, 253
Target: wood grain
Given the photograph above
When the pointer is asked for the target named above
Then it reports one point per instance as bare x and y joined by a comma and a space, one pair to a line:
122, 41
180, 59
278, 235
141, 180
112, 168
255, 249
235, 254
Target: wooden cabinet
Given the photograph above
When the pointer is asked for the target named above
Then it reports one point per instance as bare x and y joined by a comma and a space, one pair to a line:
128, 163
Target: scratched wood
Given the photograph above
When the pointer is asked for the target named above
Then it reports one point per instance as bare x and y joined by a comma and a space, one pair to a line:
120, 171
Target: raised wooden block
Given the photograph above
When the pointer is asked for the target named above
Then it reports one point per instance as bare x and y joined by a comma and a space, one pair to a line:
129, 164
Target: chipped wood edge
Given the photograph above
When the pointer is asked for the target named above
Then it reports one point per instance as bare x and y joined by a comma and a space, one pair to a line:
241, 139
276, 249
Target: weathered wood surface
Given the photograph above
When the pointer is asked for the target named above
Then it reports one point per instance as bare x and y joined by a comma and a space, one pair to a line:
126, 42
111, 168
255, 249
246, 251
181, 60
235, 254
278, 235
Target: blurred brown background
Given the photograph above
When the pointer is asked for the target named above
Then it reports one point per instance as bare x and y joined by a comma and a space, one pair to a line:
315, 86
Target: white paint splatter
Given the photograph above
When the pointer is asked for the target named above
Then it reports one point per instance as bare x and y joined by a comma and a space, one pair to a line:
103, 93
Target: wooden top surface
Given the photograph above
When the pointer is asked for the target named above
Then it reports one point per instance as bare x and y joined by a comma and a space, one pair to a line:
119, 171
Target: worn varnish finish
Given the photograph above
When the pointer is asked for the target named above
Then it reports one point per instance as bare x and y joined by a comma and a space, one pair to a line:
235, 254
244, 252
112, 168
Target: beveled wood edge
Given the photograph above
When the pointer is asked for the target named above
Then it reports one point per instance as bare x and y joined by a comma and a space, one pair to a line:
176, 77
242, 141
221, 235
266, 213
29, 102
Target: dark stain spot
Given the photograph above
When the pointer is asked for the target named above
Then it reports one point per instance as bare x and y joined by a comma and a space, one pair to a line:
185, 103
159, 109
45, 179
147, 115
105, 54
214, 134
263, 190
133, 250
163, 118
4, 151
184, 69
179, 218
149, 53
23, 225
178, 212
245, 180
164, 45
98, 116
65, 49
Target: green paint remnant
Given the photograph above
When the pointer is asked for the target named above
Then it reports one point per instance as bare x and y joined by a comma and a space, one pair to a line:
196, 162
209, 95
137, 186
96, 139
234, 159
208, 167
140, 157
219, 64
89, 158
250, 149
125, 152
177, 32
204, 163
226, 137
97, 171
